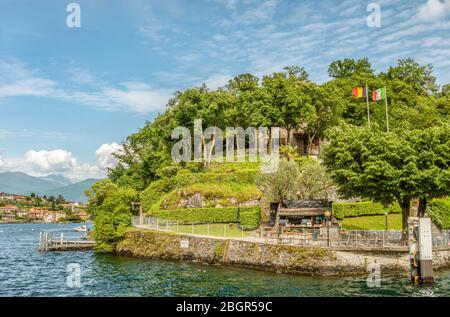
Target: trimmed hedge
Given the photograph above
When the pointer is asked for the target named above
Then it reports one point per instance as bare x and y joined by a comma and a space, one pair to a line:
366, 208
439, 212
249, 217
212, 215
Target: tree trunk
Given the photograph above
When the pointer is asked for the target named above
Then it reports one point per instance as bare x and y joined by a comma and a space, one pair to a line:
288, 137
405, 205
422, 207
310, 143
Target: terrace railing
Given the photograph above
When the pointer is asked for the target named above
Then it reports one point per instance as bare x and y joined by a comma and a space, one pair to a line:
346, 239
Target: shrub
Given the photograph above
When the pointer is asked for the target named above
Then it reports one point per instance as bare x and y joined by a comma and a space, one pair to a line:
153, 193
212, 215
439, 212
249, 217
112, 219
366, 208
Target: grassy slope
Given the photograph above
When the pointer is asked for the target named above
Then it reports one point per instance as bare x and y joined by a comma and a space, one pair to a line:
373, 222
228, 184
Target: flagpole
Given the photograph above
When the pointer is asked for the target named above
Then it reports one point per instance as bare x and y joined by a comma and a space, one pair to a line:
385, 102
367, 100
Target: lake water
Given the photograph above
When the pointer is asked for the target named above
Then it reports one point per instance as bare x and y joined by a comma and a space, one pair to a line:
26, 272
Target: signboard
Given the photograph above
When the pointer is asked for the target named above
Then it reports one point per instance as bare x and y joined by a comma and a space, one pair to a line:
184, 244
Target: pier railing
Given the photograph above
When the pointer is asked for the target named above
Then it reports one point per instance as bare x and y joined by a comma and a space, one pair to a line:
51, 241
324, 237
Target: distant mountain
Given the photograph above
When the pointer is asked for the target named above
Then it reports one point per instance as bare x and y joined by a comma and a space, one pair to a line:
56, 178
23, 184
74, 192
51, 185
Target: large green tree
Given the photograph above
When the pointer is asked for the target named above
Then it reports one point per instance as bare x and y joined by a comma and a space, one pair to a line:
387, 167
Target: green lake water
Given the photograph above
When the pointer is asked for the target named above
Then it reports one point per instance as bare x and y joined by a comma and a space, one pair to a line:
26, 272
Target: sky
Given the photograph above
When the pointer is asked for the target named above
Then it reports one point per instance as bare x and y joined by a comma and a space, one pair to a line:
70, 95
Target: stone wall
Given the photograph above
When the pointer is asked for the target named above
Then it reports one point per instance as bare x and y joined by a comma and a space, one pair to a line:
276, 258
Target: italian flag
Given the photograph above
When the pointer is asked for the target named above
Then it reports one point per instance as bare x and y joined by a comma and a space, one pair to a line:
379, 94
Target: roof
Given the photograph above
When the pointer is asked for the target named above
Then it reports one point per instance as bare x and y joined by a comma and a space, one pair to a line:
304, 208
306, 204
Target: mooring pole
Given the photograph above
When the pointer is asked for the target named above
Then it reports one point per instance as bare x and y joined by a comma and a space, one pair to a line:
420, 250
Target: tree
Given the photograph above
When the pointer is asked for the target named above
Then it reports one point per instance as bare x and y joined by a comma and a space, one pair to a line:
60, 200
325, 111
111, 206
387, 166
419, 77
432, 147
347, 67
281, 185
288, 99
445, 90
315, 182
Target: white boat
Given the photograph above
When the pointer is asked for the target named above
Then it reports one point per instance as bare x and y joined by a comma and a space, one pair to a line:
80, 229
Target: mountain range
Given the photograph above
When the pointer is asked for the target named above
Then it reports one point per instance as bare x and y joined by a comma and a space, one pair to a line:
50, 185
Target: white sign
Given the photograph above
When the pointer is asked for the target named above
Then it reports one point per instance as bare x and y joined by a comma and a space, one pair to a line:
184, 244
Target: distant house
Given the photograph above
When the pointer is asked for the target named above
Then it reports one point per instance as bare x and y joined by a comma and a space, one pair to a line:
19, 198
5, 196
22, 213
8, 217
9, 209
300, 139
36, 213
53, 216
83, 215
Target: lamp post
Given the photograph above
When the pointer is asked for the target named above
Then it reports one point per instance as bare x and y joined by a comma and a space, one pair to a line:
328, 219
386, 220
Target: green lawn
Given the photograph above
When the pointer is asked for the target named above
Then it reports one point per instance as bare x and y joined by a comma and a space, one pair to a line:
373, 222
215, 230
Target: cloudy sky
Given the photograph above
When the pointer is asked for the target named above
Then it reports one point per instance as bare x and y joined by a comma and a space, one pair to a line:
69, 96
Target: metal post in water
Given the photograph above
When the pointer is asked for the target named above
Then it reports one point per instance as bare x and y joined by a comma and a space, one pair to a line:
420, 250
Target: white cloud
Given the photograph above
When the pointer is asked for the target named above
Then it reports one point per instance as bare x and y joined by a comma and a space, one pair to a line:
433, 10
17, 80
137, 97
84, 171
2, 163
105, 156
80, 75
216, 81
50, 161
58, 161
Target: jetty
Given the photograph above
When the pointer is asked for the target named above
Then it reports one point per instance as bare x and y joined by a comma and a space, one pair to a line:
50, 242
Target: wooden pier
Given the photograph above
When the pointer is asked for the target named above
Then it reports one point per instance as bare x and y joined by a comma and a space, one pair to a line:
48, 242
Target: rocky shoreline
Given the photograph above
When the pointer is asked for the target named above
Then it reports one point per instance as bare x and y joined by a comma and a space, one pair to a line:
275, 258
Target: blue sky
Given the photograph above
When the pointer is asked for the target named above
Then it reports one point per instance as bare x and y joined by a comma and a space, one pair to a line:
69, 96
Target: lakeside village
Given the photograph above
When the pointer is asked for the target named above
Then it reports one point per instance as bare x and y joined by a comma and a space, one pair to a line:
36, 209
